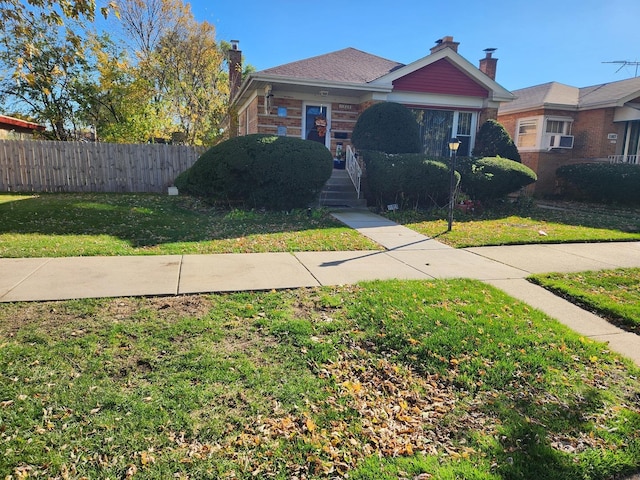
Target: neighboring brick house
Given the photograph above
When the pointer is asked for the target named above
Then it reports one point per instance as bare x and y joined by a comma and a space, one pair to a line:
449, 95
555, 124
16, 129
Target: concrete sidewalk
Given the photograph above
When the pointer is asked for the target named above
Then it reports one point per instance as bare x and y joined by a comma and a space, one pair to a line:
407, 255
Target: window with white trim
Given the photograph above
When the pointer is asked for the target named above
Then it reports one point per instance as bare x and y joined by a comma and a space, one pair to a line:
560, 126
438, 126
534, 133
527, 133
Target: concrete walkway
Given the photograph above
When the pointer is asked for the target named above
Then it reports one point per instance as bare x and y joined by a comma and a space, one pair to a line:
407, 255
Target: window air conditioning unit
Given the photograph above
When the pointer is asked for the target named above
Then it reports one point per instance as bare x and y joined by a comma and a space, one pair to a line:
560, 141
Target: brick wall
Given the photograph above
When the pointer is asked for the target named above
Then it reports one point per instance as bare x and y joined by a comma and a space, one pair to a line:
269, 120
343, 119
252, 112
590, 129
487, 114
545, 165
509, 122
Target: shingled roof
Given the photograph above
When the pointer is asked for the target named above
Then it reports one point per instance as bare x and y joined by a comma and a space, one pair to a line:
558, 95
347, 65
611, 93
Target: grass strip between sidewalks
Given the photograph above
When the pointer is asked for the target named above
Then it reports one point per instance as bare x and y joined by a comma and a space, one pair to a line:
614, 294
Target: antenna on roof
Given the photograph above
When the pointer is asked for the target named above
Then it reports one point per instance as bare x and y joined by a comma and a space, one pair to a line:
624, 63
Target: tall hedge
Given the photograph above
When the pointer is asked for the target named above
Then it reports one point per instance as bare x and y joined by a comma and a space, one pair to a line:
602, 182
260, 171
406, 179
387, 127
493, 140
493, 177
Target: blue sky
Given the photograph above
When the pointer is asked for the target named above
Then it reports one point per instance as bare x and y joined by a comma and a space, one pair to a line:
537, 41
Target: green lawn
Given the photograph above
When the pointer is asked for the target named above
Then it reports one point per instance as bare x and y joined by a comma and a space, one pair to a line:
60, 225
513, 224
384, 380
126, 224
614, 294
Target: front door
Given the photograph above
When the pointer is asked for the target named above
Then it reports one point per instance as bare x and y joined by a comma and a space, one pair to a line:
316, 123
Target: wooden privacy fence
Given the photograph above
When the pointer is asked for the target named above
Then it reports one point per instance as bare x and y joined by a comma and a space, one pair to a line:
42, 166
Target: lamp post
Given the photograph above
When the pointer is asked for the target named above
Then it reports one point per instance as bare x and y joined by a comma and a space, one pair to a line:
454, 143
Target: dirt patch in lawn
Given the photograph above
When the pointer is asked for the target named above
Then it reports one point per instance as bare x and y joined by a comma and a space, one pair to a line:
72, 318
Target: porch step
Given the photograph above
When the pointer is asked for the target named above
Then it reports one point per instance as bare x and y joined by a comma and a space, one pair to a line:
340, 192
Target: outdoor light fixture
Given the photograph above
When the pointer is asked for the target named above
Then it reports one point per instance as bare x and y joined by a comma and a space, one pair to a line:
454, 143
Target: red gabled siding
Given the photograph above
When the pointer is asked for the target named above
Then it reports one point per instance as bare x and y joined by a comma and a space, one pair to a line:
440, 77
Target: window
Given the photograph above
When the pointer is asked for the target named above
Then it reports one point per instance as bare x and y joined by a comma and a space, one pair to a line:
438, 126
465, 120
527, 133
541, 133
562, 127
555, 126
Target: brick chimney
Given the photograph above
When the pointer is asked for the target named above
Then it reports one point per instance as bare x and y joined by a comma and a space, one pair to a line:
488, 64
445, 42
235, 69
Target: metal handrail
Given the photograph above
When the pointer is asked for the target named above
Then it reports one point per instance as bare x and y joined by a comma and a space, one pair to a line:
634, 159
353, 169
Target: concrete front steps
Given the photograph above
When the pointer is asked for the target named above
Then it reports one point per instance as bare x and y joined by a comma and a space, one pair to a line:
340, 192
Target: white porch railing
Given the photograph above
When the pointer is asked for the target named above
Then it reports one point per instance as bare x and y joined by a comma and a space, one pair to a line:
635, 159
353, 169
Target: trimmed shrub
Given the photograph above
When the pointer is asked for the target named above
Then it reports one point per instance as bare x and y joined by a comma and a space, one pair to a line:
260, 171
494, 141
491, 178
387, 127
602, 182
406, 179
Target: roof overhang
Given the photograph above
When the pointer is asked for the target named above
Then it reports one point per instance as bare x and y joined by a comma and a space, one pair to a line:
630, 112
508, 109
19, 123
259, 82
613, 103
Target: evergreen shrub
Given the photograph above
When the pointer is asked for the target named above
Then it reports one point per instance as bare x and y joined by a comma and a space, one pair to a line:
491, 178
602, 182
494, 141
387, 127
406, 179
260, 171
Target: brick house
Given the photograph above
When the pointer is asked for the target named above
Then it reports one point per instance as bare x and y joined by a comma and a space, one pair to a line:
17, 129
555, 124
449, 95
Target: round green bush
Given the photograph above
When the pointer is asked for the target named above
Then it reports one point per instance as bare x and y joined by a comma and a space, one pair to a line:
491, 178
602, 182
494, 141
387, 127
406, 179
260, 171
